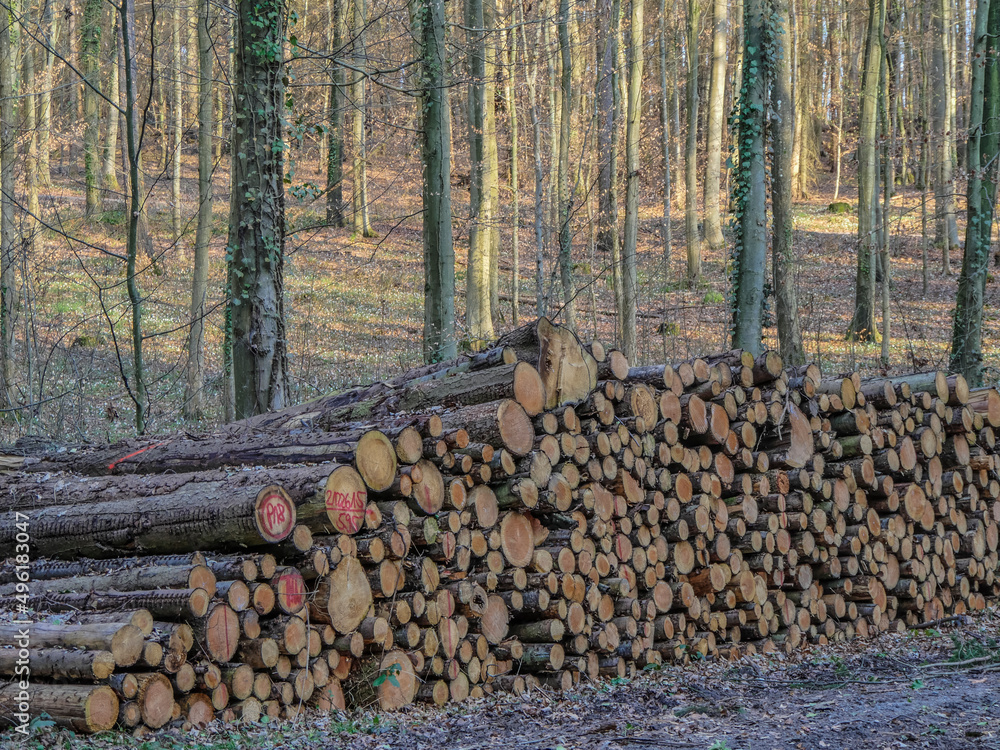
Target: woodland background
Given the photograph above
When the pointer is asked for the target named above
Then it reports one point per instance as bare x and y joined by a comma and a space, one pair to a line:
353, 274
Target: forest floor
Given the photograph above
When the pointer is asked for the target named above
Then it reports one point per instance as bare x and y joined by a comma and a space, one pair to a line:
354, 304
929, 689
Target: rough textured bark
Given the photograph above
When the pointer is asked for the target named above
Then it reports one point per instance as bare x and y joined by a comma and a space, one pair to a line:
782, 249
565, 197
863, 325
748, 276
257, 217
982, 155
632, 134
716, 122
691, 152
439, 252
193, 396
206, 510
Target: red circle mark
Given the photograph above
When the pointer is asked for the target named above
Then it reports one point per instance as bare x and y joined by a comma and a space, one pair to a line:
275, 519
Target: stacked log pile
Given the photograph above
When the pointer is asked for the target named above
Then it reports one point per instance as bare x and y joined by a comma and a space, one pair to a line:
536, 514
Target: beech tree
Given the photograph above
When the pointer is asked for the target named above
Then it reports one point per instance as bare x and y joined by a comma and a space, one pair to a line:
439, 253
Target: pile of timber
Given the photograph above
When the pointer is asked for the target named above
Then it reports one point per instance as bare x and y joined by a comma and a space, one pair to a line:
532, 515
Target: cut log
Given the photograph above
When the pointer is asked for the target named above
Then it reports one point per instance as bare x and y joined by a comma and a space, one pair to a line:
201, 515
130, 579
520, 382
82, 708
59, 663
123, 641
502, 424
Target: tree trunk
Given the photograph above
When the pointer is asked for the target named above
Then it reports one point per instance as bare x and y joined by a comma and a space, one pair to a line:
983, 151
491, 169
691, 153
782, 248
335, 136
945, 227
178, 125
439, 252
362, 225
478, 314
90, 50
666, 229
632, 133
109, 171
609, 12
536, 149
137, 227
716, 96
193, 396
511, 99
863, 327
31, 155
50, 32
751, 260
257, 215
565, 196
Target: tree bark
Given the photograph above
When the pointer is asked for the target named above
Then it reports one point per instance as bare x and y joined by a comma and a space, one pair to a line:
782, 248
178, 125
748, 274
90, 50
565, 197
335, 136
691, 152
8, 252
256, 243
716, 122
609, 13
945, 227
478, 310
359, 89
109, 172
632, 133
666, 229
193, 395
439, 253
983, 152
863, 326
515, 191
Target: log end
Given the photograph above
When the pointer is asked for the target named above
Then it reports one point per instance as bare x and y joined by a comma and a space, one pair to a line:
375, 460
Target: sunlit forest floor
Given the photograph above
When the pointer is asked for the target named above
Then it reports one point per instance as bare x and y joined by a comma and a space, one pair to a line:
354, 305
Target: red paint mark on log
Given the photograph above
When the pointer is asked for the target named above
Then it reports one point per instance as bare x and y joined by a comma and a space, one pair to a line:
346, 509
